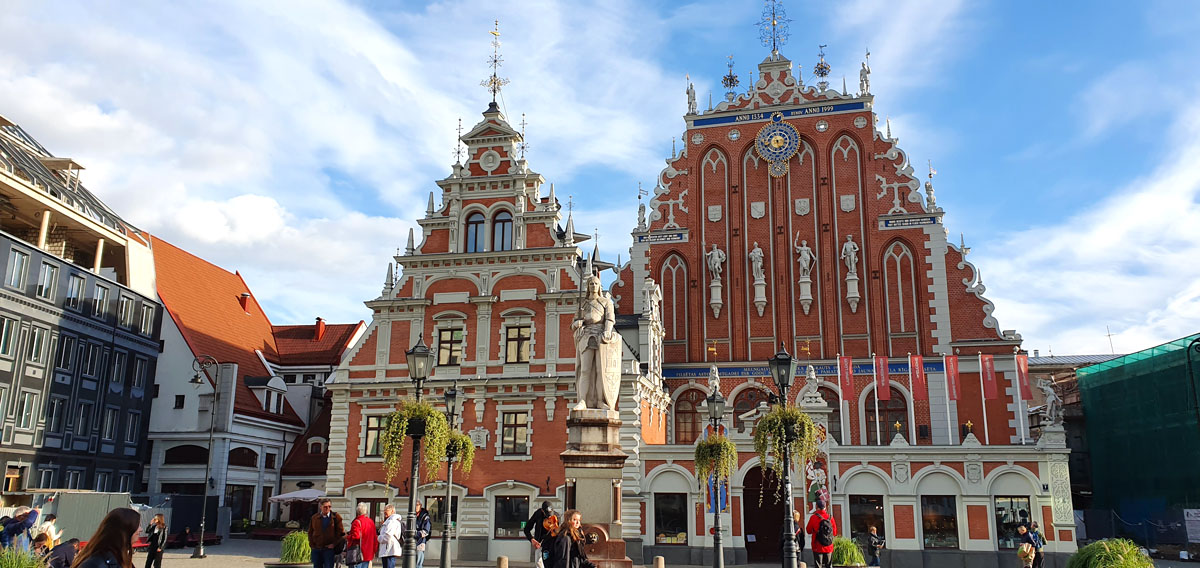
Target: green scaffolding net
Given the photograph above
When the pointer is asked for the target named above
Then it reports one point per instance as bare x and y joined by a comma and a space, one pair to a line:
1142, 427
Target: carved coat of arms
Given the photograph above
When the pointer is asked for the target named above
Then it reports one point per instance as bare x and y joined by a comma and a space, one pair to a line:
847, 203
758, 209
714, 213
802, 206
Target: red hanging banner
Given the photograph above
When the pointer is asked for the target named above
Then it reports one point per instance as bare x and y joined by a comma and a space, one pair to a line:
846, 377
951, 362
987, 370
916, 373
882, 385
1023, 377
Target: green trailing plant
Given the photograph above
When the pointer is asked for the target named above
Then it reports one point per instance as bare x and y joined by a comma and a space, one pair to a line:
14, 557
463, 450
295, 549
846, 552
784, 430
433, 444
1110, 553
715, 456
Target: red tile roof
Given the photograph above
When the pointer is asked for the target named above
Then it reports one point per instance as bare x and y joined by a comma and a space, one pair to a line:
204, 301
301, 463
298, 344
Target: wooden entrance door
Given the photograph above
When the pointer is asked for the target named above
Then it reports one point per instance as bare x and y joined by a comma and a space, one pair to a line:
761, 521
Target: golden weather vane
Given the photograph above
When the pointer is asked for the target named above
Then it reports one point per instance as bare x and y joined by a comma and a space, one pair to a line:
495, 82
773, 26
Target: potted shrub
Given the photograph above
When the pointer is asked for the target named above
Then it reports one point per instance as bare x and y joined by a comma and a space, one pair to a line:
1110, 553
784, 430
414, 418
14, 557
846, 552
716, 457
294, 551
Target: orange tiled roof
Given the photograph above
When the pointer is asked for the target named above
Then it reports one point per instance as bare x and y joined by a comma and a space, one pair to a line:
204, 301
298, 345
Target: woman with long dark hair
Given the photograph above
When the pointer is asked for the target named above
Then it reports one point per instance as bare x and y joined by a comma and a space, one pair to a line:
112, 545
156, 534
568, 547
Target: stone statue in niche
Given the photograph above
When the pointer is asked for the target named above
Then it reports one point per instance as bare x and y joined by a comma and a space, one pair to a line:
598, 350
756, 263
716, 257
1053, 408
805, 256
850, 255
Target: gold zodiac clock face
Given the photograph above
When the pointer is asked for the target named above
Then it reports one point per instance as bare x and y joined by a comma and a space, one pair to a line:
776, 143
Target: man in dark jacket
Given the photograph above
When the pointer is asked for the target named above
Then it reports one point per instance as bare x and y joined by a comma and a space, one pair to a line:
63, 555
325, 533
821, 550
535, 530
424, 529
874, 543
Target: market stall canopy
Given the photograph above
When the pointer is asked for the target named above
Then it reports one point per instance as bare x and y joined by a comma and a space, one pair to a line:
301, 495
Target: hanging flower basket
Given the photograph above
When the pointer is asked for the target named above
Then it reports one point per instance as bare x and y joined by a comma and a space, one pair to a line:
716, 456
414, 419
785, 430
461, 447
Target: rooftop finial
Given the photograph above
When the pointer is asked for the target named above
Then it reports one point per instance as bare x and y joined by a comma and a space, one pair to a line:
522, 146
730, 80
458, 145
821, 69
929, 188
495, 82
773, 27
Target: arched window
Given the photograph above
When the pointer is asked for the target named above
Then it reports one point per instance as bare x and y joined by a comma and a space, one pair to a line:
502, 231
475, 232
185, 455
688, 422
891, 412
243, 457
746, 401
675, 288
835, 417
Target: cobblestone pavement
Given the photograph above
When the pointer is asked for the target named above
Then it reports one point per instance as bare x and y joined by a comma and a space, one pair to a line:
246, 553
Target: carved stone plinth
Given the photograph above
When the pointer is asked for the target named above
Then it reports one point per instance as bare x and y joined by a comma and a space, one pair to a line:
593, 461
760, 295
805, 293
714, 297
852, 291
1053, 436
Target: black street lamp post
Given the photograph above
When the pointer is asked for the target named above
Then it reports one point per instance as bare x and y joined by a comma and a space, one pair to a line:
716, 411
419, 360
203, 363
451, 400
783, 368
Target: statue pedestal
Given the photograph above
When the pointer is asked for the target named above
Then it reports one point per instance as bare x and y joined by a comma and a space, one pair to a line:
805, 293
593, 461
852, 291
760, 295
1053, 436
714, 297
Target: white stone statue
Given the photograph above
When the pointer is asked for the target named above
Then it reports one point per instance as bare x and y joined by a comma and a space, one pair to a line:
850, 255
691, 94
597, 350
864, 79
716, 257
641, 216
804, 255
1053, 409
756, 263
714, 380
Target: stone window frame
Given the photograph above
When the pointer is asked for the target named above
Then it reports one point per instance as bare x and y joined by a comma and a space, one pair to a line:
511, 318
445, 321
502, 407
365, 412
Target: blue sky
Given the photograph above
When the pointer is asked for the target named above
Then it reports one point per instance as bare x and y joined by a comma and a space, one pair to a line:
295, 142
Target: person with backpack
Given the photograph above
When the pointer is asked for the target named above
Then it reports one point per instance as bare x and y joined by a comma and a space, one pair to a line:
1025, 550
1039, 542
822, 528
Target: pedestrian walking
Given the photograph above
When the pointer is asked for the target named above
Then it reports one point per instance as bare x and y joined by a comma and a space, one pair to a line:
361, 537
156, 537
17, 529
536, 531
424, 529
51, 530
1025, 550
41, 545
391, 537
797, 535
325, 533
112, 544
63, 555
1039, 542
568, 546
874, 544
822, 528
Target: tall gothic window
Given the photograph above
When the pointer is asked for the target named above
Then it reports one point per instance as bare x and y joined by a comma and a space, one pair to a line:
688, 422
675, 290
891, 412
475, 234
502, 226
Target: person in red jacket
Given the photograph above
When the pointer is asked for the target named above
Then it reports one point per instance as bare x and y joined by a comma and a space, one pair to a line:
823, 528
362, 534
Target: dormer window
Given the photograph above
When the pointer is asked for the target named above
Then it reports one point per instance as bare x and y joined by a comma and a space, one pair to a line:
475, 234
502, 228
316, 446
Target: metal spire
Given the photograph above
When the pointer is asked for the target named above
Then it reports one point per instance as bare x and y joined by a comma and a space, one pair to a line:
495, 82
458, 145
821, 70
773, 26
522, 146
730, 80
